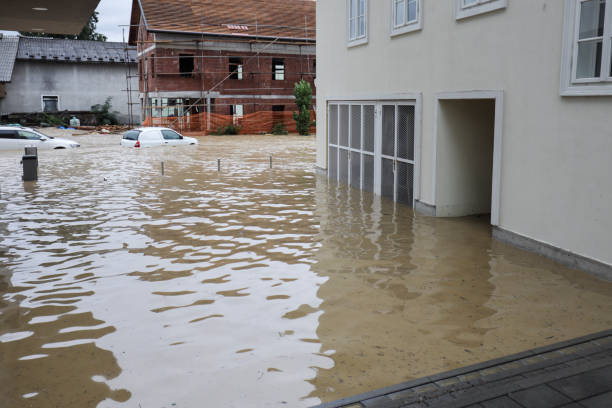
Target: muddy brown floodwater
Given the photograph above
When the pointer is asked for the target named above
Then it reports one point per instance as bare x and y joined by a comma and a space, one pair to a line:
250, 287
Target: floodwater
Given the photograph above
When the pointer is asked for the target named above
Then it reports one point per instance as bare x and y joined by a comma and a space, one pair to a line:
120, 287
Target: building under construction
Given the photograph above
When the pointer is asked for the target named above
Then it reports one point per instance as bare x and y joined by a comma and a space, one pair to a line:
206, 63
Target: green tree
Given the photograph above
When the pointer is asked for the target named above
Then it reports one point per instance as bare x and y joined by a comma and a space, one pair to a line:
88, 32
303, 100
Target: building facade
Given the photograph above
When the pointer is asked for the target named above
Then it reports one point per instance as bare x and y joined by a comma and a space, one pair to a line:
227, 58
51, 75
476, 106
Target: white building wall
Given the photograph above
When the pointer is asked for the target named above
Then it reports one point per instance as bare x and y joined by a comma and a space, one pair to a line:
556, 151
78, 86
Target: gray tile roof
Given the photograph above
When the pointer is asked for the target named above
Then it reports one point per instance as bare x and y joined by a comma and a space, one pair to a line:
8, 50
52, 49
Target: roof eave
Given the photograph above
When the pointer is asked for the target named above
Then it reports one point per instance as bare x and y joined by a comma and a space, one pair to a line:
268, 37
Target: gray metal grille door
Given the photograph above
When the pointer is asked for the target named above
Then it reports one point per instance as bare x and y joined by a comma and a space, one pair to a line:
372, 147
405, 132
397, 174
344, 129
343, 166
369, 122
368, 173
332, 165
405, 175
387, 179
355, 170
333, 124
388, 130
356, 127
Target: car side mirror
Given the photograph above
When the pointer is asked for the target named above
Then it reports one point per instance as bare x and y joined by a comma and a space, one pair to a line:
43, 139
180, 137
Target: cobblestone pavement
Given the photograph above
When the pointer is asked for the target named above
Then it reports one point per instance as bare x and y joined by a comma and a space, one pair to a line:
572, 374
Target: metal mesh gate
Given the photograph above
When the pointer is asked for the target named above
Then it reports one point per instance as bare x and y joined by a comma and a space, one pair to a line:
370, 153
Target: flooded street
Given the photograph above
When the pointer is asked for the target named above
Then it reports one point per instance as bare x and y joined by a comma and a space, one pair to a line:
249, 287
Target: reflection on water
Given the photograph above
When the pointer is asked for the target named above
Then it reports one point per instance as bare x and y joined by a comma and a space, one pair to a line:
249, 287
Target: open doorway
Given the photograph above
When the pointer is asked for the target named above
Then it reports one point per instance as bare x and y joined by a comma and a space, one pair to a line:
468, 143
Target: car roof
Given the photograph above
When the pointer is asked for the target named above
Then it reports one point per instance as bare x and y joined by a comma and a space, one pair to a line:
142, 129
15, 127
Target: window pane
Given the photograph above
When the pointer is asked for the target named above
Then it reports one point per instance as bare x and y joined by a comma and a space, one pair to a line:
592, 18
28, 135
589, 59
467, 3
362, 7
412, 10
352, 29
362, 26
353, 11
400, 11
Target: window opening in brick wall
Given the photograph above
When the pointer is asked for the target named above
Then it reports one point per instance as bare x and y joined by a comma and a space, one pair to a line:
278, 69
235, 68
186, 65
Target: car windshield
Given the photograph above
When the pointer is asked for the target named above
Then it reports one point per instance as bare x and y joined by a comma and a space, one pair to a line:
47, 136
131, 135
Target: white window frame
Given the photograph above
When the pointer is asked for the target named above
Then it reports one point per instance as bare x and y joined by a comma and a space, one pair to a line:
42, 101
479, 7
570, 85
408, 26
358, 39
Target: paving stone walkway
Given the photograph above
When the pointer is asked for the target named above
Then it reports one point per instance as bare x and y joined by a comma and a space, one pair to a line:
572, 374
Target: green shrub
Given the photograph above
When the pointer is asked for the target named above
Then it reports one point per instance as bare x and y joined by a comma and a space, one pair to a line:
104, 116
229, 129
52, 119
303, 100
279, 129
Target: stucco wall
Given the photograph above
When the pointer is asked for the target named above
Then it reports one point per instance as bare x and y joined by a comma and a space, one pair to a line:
79, 86
464, 157
555, 166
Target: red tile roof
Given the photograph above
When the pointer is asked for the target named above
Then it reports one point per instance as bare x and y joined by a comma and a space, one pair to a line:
294, 19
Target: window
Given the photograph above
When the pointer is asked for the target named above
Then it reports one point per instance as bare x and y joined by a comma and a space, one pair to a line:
131, 135
405, 16
587, 48
170, 135
468, 8
235, 68
28, 135
278, 69
50, 103
357, 22
236, 110
186, 65
8, 134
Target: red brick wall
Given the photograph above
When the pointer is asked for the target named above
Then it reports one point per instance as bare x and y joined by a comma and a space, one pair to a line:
163, 75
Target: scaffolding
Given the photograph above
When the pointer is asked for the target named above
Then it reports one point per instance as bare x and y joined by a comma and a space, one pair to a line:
256, 109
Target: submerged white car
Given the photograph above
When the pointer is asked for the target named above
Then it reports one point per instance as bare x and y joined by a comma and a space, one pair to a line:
16, 138
155, 136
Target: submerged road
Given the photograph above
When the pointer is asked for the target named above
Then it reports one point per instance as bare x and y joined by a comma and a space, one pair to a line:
250, 286
573, 374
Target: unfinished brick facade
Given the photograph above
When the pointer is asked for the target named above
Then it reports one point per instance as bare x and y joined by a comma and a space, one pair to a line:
233, 72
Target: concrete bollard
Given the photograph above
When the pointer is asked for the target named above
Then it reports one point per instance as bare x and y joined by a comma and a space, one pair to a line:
30, 164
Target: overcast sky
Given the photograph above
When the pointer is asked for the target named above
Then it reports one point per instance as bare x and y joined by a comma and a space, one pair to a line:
113, 13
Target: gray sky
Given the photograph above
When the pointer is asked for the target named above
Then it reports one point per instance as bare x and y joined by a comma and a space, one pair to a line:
112, 14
